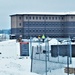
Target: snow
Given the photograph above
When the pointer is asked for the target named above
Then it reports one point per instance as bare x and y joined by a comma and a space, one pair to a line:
15, 66
9, 48
46, 13
12, 64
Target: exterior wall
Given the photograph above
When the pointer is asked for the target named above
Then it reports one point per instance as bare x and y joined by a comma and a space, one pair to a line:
13, 22
17, 25
50, 25
71, 18
16, 22
19, 22
48, 28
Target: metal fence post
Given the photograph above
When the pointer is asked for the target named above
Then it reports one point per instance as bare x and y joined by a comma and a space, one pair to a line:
31, 59
30, 46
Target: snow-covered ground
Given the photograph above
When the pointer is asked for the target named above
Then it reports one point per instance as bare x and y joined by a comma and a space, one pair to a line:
12, 64
10, 61
15, 66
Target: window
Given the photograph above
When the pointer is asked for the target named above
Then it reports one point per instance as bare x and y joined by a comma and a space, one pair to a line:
49, 17
71, 17
30, 31
46, 17
62, 24
20, 30
20, 18
43, 17
33, 30
39, 31
49, 30
56, 18
52, 18
62, 18
36, 17
59, 18
26, 17
19, 24
39, 17
36, 30
53, 30
33, 17
62, 29
43, 30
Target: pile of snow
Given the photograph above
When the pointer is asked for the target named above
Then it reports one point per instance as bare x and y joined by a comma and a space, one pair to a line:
9, 48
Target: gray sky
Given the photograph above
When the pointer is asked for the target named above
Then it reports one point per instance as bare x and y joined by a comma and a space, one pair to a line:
9, 7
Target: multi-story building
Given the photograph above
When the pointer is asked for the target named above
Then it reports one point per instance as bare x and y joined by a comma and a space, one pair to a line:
50, 24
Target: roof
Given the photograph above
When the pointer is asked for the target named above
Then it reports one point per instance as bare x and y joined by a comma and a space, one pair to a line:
44, 13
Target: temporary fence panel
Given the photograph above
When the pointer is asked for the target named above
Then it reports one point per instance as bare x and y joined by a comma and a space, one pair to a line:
60, 52
42, 60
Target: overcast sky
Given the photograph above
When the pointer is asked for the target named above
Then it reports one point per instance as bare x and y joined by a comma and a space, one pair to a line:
9, 7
